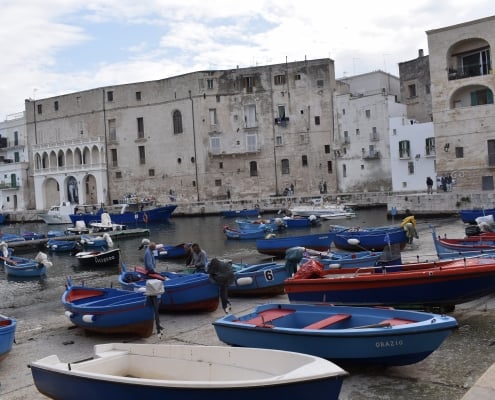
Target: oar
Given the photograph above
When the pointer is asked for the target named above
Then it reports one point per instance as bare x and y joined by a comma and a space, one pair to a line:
377, 325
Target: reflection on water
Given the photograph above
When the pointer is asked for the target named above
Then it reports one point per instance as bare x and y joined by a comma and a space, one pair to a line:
207, 231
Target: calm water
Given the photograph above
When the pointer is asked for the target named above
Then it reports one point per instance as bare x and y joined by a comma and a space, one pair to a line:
207, 231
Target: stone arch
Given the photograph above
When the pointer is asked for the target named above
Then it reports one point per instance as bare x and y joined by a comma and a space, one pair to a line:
471, 96
51, 192
60, 158
78, 157
69, 158
86, 156
53, 159
89, 189
45, 164
95, 155
37, 161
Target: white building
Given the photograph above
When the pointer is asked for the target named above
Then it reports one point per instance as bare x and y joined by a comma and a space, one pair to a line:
14, 165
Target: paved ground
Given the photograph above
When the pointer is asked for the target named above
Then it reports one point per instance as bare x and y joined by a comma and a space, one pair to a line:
447, 374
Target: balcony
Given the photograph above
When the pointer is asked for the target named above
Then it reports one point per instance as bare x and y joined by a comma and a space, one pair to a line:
8, 186
372, 155
282, 121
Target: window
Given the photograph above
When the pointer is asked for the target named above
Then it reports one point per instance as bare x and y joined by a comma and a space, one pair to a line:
248, 84
427, 89
279, 80
151, 172
177, 120
476, 63
357, 132
412, 90
430, 146
343, 111
278, 141
368, 113
374, 134
140, 128
327, 148
491, 153
410, 167
404, 149
16, 138
209, 83
487, 182
459, 152
218, 98
55, 105
250, 115
16, 156
40, 109
253, 168
113, 157
112, 130
281, 112
118, 175
142, 155
394, 131
251, 143
297, 77
481, 97
317, 120
138, 96
220, 165
344, 170
319, 83
218, 182
329, 167
215, 145
304, 160
213, 116
78, 100
110, 95
346, 137
285, 166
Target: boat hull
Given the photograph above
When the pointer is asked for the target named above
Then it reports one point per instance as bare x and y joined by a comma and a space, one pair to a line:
252, 212
277, 246
109, 311
98, 259
7, 335
360, 335
453, 282
469, 216
470, 246
375, 239
183, 292
188, 372
24, 268
258, 280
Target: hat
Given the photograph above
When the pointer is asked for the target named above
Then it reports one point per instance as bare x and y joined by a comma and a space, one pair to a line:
144, 242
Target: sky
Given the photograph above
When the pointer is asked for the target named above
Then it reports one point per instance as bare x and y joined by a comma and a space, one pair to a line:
55, 47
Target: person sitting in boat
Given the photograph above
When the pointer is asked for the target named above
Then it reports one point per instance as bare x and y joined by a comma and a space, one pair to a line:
4, 252
409, 225
149, 259
221, 274
199, 258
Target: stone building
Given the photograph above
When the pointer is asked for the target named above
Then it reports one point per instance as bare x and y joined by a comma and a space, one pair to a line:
462, 86
245, 132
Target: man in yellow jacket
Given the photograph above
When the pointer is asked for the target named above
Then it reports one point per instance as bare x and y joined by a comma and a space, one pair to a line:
409, 225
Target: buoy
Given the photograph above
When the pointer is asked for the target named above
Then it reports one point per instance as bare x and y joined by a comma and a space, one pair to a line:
68, 314
88, 318
244, 281
353, 241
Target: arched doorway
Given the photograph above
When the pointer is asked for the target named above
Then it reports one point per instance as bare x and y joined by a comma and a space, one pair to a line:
90, 191
51, 192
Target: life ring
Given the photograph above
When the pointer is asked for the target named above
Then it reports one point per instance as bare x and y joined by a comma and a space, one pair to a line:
145, 218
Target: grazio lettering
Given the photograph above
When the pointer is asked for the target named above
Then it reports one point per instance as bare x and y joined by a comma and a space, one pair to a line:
389, 343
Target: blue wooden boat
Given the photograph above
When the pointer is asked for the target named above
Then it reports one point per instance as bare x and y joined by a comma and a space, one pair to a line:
96, 241
98, 259
376, 238
258, 279
55, 234
339, 333
471, 246
27, 267
183, 292
277, 245
7, 335
129, 371
301, 221
109, 310
443, 284
250, 234
168, 252
32, 235
252, 212
469, 216
127, 214
60, 245
273, 224
11, 237
335, 260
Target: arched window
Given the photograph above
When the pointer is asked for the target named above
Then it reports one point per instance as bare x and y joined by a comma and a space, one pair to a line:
177, 119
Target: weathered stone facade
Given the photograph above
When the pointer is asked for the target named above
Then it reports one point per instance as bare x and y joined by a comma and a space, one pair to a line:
462, 86
246, 132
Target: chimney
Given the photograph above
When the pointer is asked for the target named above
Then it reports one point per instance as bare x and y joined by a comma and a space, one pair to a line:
420, 53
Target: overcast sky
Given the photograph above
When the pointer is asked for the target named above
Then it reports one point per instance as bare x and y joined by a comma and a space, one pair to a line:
54, 47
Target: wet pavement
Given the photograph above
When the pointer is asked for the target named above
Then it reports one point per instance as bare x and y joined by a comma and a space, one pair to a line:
447, 374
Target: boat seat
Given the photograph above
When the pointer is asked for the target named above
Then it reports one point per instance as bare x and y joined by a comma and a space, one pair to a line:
396, 321
323, 323
263, 318
5, 322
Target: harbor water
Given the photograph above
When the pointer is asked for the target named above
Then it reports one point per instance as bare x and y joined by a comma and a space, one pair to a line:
447, 374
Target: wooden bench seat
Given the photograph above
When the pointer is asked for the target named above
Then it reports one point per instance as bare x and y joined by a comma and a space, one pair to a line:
265, 317
328, 321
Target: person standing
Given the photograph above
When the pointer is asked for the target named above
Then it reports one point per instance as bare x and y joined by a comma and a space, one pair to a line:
429, 185
221, 274
198, 258
149, 259
409, 225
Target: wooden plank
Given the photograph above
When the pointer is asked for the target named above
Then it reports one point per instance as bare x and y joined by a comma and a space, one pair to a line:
328, 321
